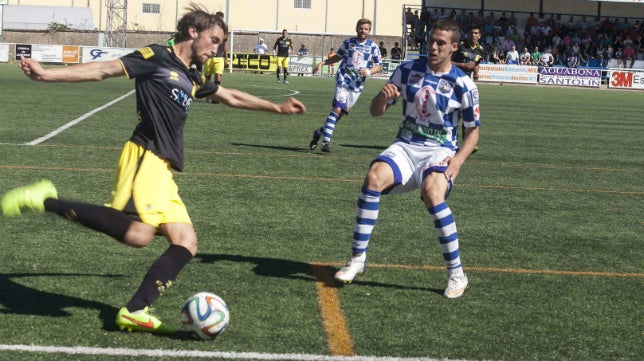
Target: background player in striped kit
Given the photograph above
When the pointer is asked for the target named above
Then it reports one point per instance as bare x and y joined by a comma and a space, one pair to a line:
424, 155
360, 58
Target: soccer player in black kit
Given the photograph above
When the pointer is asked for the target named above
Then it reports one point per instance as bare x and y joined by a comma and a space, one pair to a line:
284, 47
145, 199
470, 53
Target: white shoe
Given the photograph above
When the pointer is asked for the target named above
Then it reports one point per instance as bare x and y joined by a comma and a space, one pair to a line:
456, 283
355, 266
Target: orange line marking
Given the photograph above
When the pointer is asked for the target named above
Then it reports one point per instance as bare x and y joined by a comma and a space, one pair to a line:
339, 340
499, 270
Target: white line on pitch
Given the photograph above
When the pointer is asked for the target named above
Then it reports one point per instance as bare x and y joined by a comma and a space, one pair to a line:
78, 120
78, 350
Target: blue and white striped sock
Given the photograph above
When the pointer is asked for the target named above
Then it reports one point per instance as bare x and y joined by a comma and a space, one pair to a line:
447, 234
329, 126
366, 217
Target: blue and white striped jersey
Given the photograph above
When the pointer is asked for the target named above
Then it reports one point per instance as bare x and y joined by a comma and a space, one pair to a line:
354, 57
433, 103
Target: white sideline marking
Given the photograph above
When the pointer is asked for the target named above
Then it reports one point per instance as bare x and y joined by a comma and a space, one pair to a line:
291, 93
78, 120
79, 350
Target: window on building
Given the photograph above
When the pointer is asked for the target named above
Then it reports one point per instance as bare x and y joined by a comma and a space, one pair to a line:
149, 8
302, 4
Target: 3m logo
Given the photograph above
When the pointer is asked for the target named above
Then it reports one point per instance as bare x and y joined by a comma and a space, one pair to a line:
621, 79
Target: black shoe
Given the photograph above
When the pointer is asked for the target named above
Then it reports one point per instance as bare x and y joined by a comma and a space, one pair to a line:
314, 140
325, 147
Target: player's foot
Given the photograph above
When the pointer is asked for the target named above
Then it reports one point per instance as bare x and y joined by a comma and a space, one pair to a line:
326, 147
285, 81
143, 321
456, 283
476, 149
31, 197
315, 138
355, 266
278, 79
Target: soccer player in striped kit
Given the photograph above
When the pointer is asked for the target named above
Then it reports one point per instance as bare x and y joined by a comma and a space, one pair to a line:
425, 154
360, 58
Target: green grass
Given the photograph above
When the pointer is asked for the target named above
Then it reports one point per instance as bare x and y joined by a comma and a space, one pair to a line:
557, 186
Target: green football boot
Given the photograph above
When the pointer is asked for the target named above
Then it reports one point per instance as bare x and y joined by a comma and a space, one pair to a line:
30, 197
144, 322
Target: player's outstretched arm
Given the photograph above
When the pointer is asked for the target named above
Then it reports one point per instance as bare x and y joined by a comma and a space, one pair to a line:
380, 102
242, 100
93, 71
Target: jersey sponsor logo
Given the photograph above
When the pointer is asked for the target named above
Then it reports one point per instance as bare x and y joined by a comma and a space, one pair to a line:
444, 86
475, 96
425, 103
174, 76
146, 52
182, 98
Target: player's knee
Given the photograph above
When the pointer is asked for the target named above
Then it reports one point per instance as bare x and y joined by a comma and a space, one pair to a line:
139, 235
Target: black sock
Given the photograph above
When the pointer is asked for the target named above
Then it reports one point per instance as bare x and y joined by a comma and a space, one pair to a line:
159, 277
99, 218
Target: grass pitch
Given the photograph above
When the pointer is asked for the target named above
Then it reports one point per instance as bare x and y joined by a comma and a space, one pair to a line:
549, 213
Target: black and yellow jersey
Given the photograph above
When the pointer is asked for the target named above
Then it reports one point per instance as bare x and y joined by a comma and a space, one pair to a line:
468, 52
283, 46
165, 87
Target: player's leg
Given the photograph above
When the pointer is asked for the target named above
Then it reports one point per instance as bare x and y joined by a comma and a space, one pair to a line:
379, 177
435, 189
285, 66
164, 210
388, 174
135, 316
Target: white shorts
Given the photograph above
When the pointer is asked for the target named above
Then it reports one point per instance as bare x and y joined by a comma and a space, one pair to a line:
411, 164
345, 99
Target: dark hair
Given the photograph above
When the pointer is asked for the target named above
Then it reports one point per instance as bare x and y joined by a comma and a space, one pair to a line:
447, 25
200, 19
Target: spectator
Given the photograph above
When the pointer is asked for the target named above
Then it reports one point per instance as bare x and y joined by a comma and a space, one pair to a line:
396, 52
546, 58
301, 53
512, 56
383, 50
572, 61
525, 58
619, 56
629, 55
261, 47
536, 56
330, 62
493, 55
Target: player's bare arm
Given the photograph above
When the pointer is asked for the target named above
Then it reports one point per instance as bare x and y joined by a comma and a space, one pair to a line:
242, 100
329, 61
380, 102
454, 163
93, 71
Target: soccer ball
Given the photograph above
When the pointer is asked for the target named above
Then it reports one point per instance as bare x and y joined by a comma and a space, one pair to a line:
205, 315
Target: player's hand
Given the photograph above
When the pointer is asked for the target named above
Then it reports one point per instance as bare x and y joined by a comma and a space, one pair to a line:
389, 92
292, 106
31, 68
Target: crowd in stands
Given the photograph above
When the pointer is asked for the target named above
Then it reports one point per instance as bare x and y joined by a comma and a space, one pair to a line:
550, 40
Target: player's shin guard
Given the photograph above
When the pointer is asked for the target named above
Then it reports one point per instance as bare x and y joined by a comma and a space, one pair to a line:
447, 235
99, 218
366, 218
159, 277
329, 126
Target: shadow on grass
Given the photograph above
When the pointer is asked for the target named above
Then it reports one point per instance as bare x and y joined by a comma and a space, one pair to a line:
22, 300
290, 149
282, 268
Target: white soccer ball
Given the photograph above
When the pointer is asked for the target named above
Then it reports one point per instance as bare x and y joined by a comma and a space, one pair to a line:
205, 314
